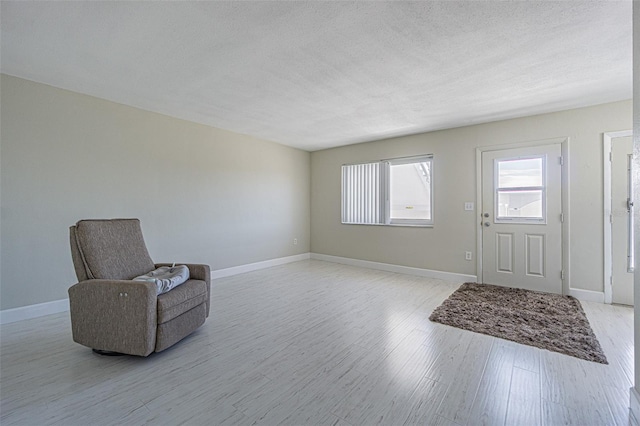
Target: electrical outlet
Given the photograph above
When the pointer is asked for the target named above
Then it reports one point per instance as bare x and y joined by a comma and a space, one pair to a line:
468, 206
295, 241
468, 255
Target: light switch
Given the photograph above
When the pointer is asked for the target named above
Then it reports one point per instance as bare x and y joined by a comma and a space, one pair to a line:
468, 206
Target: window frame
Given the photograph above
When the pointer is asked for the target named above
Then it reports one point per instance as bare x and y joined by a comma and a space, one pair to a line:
497, 190
384, 193
399, 162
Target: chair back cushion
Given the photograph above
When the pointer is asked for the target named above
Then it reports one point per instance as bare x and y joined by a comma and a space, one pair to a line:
110, 249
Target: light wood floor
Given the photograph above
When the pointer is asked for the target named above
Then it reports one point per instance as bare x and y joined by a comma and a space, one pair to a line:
317, 343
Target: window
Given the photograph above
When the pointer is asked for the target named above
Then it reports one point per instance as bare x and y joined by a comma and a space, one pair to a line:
410, 192
389, 192
520, 190
631, 258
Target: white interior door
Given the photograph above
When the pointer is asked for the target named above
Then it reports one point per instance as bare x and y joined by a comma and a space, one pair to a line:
621, 216
522, 218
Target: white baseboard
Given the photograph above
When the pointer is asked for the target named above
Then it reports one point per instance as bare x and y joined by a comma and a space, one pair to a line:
429, 273
33, 311
587, 295
634, 407
227, 272
41, 309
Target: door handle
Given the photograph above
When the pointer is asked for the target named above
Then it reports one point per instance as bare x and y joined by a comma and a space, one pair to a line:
487, 224
486, 215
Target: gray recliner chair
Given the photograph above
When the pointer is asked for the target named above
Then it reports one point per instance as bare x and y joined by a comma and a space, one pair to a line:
110, 312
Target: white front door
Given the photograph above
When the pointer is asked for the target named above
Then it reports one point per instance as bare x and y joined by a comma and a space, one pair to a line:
522, 218
621, 238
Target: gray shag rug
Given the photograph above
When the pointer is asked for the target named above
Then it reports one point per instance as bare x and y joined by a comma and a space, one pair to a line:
547, 321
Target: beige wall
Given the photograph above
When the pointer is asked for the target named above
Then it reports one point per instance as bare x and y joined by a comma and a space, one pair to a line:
202, 194
442, 247
232, 199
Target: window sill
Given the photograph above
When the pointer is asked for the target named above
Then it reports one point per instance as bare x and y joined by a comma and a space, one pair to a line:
411, 225
402, 225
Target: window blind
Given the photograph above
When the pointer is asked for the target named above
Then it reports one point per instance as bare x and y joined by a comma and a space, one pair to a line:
361, 199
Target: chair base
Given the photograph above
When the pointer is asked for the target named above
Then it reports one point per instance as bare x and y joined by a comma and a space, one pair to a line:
107, 353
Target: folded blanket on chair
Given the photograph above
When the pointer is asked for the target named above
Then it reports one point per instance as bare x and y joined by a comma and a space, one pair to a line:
166, 277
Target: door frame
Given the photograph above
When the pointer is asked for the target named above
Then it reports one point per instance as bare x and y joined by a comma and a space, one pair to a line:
564, 189
607, 141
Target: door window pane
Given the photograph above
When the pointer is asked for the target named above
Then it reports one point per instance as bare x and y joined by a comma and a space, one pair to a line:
520, 190
520, 204
520, 173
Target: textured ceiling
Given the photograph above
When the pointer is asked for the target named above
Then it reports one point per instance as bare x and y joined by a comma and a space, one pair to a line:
320, 74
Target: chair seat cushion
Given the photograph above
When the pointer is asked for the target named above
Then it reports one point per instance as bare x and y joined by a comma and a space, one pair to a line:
181, 299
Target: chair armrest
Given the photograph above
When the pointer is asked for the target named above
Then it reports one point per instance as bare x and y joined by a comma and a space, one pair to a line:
114, 315
197, 272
